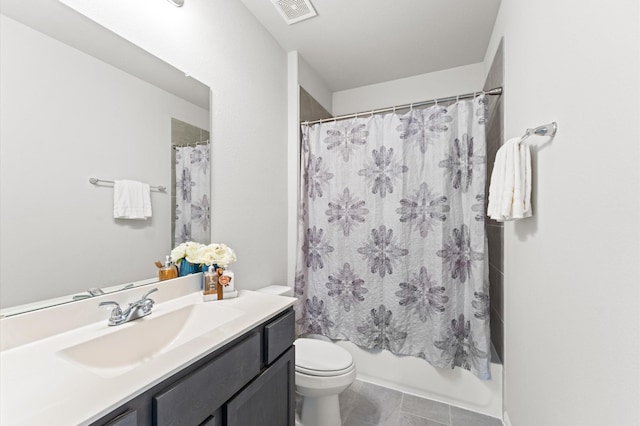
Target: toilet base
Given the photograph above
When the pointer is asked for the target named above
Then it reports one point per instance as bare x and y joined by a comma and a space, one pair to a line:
320, 411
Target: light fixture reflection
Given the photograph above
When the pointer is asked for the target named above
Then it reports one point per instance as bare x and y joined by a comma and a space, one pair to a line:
176, 3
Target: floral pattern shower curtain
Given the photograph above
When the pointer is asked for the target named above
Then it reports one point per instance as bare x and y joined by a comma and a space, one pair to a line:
193, 183
391, 242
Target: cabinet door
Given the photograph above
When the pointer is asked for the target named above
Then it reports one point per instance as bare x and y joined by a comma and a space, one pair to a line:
269, 400
127, 419
193, 398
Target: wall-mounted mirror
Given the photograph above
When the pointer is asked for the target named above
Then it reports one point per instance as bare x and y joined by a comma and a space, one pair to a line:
79, 102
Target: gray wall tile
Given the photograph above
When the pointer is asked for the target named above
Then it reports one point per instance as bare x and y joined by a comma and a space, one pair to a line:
495, 235
496, 290
310, 109
497, 334
495, 230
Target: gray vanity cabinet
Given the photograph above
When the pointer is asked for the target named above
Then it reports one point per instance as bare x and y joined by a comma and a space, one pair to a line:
247, 382
269, 399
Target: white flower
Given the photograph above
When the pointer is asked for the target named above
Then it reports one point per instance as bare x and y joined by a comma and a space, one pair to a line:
218, 254
224, 255
186, 250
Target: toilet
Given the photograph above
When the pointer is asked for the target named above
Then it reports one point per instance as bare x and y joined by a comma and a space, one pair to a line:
323, 371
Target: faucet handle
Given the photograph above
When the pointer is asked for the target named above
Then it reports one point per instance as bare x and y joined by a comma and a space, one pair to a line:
116, 312
146, 295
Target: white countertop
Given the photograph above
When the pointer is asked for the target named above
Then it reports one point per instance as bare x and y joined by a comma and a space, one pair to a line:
38, 386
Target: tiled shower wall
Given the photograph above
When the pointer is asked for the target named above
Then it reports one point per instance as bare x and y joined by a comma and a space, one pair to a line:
310, 109
495, 230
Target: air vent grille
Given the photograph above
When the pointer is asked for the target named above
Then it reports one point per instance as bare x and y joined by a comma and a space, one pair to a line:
294, 10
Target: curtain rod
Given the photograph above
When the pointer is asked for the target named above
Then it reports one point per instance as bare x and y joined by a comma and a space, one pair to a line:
190, 144
496, 91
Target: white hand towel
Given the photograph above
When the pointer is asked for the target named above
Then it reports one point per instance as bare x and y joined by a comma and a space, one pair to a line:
146, 199
510, 186
528, 211
511, 167
501, 185
131, 200
522, 192
496, 184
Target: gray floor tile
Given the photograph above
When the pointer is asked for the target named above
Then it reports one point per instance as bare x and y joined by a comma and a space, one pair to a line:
354, 421
348, 399
426, 408
375, 405
461, 417
406, 419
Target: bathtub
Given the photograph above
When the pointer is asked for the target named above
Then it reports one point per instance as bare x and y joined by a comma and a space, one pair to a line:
415, 376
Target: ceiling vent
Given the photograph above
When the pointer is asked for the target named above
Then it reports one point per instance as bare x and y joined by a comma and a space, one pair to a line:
294, 10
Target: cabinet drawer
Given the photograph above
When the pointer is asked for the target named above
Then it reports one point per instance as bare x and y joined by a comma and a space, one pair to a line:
191, 400
279, 334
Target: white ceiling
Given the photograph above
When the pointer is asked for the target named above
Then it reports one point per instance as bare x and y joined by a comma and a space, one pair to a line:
353, 43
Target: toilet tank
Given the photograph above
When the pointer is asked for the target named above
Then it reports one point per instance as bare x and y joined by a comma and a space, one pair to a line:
281, 290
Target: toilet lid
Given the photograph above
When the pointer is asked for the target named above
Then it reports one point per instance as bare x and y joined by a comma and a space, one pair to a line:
319, 358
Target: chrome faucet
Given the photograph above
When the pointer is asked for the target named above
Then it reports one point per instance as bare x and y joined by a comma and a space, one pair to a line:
134, 311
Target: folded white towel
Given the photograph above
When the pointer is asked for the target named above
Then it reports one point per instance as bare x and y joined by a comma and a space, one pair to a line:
131, 200
521, 206
510, 187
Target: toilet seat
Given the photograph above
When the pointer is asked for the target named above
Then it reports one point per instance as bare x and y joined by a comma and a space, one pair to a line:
323, 359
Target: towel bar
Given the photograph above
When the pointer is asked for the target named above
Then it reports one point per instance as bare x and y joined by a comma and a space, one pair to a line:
95, 181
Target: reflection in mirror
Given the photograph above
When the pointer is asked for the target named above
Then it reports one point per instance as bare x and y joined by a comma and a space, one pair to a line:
70, 111
191, 183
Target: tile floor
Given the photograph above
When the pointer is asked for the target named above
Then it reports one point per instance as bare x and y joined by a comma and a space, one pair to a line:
366, 404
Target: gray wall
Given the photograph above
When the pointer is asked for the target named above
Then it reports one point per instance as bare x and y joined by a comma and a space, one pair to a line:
495, 230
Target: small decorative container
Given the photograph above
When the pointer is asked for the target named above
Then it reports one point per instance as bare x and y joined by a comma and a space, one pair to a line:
187, 268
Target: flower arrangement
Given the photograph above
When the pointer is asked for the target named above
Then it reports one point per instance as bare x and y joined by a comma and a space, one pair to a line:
216, 254
213, 254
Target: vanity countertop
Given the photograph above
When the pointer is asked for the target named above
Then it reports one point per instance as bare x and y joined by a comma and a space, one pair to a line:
39, 386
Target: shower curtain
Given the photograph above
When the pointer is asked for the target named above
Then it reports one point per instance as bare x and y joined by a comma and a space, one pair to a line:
193, 182
391, 240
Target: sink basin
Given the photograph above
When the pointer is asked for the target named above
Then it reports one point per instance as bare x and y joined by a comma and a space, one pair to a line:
129, 345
